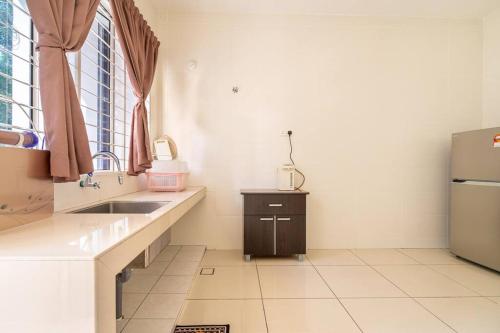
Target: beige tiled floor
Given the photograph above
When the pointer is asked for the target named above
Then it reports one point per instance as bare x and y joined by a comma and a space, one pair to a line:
235, 282
468, 314
149, 326
333, 258
178, 284
422, 281
178, 267
393, 315
292, 282
140, 283
358, 281
291, 261
389, 290
160, 306
156, 268
482, 281
307, 315
384, 257
433, 256
242, 315
214, 258
154, 296
131, 302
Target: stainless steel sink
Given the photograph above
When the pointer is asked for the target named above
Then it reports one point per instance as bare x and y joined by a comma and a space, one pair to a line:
122, 207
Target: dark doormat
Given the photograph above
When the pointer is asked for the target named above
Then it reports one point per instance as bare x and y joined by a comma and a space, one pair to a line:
201, 329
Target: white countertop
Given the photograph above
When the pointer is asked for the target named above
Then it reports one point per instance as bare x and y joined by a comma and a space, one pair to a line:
84, 236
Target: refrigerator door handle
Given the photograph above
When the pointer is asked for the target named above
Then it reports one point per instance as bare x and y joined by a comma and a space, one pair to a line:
477, 183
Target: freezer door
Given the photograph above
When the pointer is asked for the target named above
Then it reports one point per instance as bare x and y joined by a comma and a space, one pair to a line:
475, 222
474, 156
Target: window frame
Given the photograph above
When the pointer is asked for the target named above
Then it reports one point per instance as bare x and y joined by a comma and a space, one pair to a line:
119, 116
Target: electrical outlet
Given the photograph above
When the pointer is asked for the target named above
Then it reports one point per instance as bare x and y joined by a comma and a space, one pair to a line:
285, 133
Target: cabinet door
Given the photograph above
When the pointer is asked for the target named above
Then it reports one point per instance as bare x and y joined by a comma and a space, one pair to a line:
259, 235
290, 235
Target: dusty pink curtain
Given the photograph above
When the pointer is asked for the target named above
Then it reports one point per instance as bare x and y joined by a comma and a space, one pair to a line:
63, 26
140, 50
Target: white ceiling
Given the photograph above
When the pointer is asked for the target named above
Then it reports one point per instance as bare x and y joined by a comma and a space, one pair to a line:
403, 8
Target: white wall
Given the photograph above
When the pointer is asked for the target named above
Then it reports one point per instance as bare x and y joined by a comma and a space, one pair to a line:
70, 195
372, 103
491, 82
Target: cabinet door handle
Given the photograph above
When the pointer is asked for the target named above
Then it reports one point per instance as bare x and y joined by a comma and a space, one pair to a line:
284, 219
274, 230
266, 219
275, 205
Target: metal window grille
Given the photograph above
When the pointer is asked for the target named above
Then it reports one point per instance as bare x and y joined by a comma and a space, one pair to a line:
99, 72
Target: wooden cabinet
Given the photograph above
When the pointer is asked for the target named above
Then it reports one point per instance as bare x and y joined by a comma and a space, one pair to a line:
274, 223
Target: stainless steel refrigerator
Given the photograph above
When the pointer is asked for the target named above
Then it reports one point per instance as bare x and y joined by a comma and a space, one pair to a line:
475, 197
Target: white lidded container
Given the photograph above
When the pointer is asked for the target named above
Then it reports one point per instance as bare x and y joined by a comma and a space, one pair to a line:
167, 176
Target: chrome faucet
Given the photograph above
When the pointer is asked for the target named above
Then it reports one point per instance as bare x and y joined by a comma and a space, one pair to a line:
96, 185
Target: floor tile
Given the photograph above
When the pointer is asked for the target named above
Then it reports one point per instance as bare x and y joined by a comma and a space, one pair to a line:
292, 282
358, 281
225, 258
165, 306
149, 326
192, 249
433, 256
227, 282
190, 253
182, 268
140, 283
120, 325
155, 268
307, 316
243, 316
393, 315
422, 281
131, 303
468, 314
281, 261
173, 284
384, 257
333, 258
495, 299
168, 253
481, 280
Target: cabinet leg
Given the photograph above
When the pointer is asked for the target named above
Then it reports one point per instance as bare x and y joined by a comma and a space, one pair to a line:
301, 257
247, 257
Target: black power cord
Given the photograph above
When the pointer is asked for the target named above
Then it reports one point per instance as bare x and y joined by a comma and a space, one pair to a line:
293, 163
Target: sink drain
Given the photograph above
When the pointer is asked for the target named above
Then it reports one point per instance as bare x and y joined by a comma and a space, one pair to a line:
202, 329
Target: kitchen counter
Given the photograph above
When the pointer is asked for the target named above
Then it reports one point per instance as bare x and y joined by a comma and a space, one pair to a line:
66, 236
57, 275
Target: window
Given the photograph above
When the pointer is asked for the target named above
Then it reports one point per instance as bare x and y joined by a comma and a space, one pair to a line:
16, 53
101, 80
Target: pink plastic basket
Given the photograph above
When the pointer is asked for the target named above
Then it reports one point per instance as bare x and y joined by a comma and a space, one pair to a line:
166, 181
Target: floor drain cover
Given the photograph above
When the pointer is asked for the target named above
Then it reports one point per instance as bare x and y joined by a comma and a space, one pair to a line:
207, 271
202, 329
